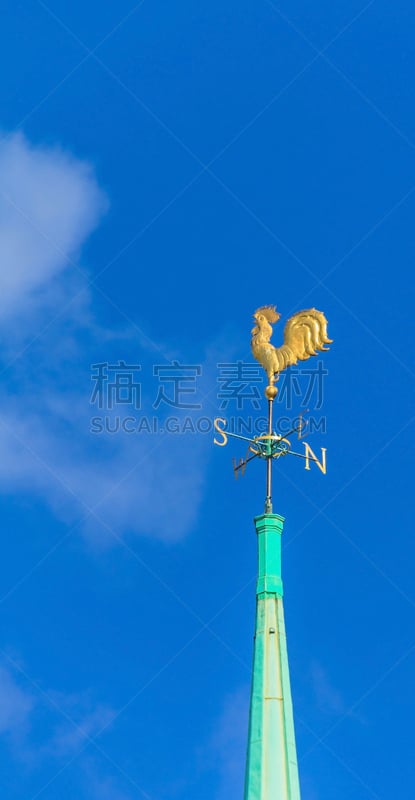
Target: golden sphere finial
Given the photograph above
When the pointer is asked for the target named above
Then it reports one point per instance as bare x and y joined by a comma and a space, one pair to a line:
271, 392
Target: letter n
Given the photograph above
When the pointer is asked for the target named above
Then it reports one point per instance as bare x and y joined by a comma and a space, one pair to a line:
309, 455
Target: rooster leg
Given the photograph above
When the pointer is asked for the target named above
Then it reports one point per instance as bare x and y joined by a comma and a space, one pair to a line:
272, 377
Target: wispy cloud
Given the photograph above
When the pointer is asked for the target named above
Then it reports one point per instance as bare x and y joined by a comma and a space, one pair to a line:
79, 720
226, 749
46, 723
50, 202
49, 727
328, 698
17, 705
99, 786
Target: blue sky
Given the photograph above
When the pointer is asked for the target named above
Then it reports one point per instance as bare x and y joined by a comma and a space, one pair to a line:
165, 169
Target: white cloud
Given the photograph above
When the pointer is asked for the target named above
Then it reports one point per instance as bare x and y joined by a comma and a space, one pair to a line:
50, 202
327, 696
103, 787
226, 750
329, 699
16, 707
47, 723
39, 727
77, 724
73, 718
130, 486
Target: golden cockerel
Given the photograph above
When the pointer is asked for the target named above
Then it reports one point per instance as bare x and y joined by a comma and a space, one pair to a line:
304, 334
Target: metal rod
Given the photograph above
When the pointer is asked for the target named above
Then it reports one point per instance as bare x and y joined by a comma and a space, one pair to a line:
237, 436
300, 455
244, 463
268, 499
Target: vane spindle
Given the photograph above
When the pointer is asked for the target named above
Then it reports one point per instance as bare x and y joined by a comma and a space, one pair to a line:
268, 499
270, 393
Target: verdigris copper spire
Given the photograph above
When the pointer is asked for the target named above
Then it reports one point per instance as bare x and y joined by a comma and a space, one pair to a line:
271, 767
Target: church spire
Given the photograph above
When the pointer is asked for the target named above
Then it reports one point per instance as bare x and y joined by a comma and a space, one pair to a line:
271, 766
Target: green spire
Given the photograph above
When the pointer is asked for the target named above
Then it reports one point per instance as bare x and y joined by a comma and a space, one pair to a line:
271, 768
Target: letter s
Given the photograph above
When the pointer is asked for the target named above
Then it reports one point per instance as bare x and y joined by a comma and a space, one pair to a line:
221, 431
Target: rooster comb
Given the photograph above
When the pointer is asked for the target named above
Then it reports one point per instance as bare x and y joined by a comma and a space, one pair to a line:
269, 312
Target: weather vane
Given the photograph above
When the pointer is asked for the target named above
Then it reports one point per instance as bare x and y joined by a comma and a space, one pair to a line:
304, 335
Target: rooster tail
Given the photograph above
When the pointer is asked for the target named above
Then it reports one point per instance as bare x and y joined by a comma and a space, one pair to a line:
306, 333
